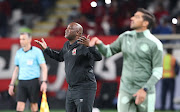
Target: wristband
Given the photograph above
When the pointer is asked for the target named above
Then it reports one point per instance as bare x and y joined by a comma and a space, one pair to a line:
145, 89
11, 85
43, 81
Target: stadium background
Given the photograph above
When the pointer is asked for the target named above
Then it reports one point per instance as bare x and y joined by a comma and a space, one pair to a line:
103, 18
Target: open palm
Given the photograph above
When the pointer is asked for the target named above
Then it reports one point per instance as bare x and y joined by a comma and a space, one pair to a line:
42, 44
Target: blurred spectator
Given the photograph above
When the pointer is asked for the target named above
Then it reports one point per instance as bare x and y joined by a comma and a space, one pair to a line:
99, 30
74, 15
123, 21
113, 29
23, 27
160, 12
172, 4
176, 7
163, 28
45, 5
59, 29
105, 24
19, 28
3, 24
170, 70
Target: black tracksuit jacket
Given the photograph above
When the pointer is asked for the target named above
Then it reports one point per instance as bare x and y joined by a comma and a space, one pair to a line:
79, 61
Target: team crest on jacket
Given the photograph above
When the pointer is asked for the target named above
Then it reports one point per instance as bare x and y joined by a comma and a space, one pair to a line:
74, 51
144, 47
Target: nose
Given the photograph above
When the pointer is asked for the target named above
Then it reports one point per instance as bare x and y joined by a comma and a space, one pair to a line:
131, 18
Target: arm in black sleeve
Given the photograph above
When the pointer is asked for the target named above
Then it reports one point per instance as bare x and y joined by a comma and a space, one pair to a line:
96, 55
54, 54
176, 68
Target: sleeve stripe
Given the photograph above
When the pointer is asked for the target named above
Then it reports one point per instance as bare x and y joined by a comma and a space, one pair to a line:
157, 72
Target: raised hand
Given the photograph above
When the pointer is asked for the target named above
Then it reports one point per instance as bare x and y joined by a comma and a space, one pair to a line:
42, 44
94, 41
83, 40
87, 42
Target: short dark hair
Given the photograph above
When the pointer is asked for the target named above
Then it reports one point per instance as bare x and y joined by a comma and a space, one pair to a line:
26, 33
169, 50
148, 16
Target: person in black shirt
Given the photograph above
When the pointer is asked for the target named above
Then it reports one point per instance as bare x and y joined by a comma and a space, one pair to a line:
79, 60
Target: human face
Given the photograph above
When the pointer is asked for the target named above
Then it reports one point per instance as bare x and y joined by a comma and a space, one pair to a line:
71, 31
137, 21
24, 40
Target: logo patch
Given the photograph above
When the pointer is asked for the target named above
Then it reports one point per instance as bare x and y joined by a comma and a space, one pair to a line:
81, 100
30, 62
74, 51
144, 47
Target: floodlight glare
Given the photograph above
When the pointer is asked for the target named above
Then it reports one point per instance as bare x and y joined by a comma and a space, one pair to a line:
93, 4
108, 1
174, 21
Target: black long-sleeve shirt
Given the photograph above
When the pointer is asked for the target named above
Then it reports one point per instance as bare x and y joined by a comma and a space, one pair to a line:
79, 61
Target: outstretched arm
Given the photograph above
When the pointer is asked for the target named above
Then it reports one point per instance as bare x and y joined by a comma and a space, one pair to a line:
106, 50
52, 53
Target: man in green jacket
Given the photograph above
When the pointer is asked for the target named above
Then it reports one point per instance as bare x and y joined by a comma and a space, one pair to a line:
142, 63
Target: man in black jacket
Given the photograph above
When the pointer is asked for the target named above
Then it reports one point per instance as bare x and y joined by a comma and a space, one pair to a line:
79, 61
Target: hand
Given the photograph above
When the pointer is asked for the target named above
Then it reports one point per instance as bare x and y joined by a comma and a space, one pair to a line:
89, 43
83, 40
11, 90
42, 44
94, 41
140, 96
43, 87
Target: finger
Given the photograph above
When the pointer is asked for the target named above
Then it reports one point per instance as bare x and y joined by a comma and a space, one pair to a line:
88, 36
42, 40
36, 41
83, 38
80, 42
80, 39
137, 99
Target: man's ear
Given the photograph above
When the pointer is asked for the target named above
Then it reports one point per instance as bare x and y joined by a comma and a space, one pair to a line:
145, 23
30, 39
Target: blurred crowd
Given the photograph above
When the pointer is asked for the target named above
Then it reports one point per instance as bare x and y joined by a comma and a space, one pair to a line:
104, 19
19, 15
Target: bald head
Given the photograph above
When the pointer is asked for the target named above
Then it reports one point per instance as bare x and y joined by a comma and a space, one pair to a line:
73, 31
77, 26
